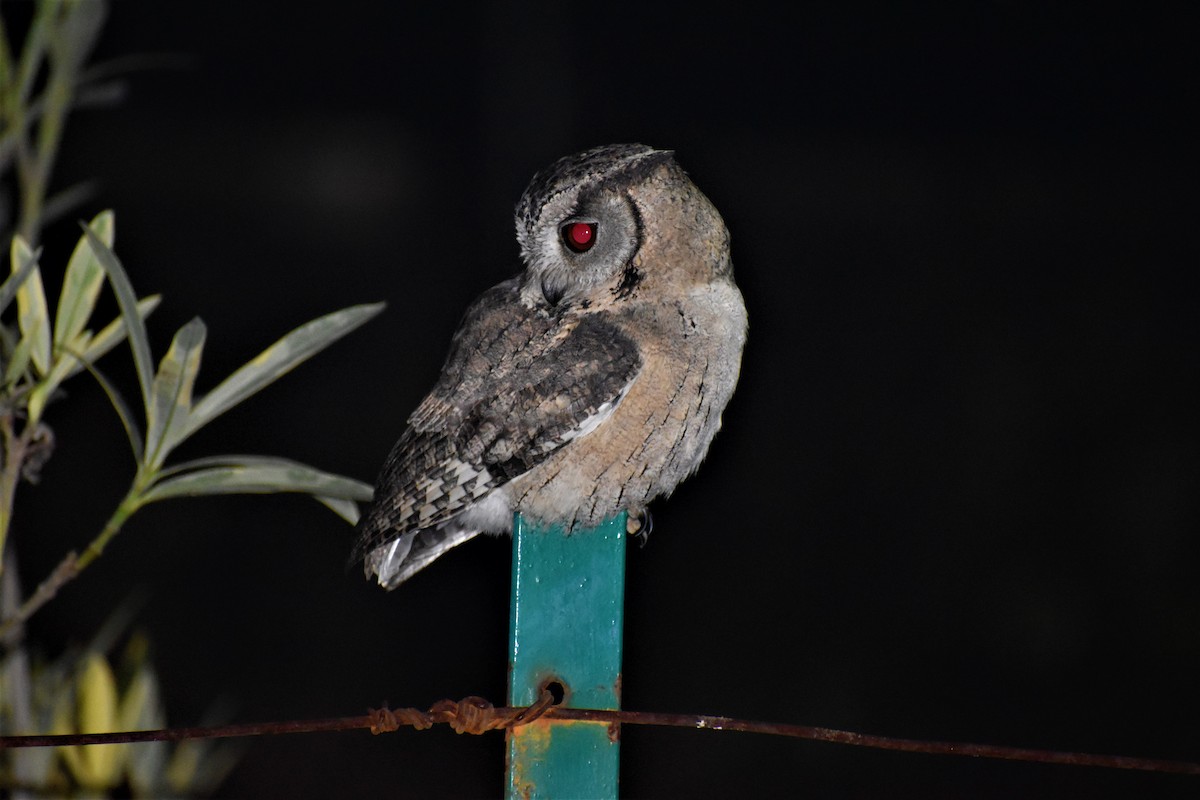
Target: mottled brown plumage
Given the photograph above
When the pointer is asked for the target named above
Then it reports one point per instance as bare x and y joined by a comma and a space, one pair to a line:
591, 383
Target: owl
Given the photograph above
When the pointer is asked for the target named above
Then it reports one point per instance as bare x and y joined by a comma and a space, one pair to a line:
588, 384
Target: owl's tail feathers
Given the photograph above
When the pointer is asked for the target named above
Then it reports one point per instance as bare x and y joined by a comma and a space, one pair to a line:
401, 558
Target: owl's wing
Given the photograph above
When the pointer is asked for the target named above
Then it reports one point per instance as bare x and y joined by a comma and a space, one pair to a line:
518, 384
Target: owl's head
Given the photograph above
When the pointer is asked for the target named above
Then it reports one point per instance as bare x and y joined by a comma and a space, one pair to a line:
584, 219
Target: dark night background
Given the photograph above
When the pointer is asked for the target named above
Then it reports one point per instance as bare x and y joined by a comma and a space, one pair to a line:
955, 496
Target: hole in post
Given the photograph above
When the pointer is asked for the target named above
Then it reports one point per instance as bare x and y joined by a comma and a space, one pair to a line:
557, 690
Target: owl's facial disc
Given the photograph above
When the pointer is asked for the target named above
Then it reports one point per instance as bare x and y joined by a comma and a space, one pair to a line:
588, 247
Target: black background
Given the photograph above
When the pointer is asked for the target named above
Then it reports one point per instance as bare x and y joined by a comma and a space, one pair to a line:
955, 496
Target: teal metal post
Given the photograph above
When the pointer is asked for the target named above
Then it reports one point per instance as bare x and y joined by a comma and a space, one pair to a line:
567, 614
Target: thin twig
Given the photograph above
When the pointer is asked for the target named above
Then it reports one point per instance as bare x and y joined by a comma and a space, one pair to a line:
62, 574
475, 715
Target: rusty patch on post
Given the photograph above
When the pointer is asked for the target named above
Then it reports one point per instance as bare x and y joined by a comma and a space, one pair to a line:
527, 744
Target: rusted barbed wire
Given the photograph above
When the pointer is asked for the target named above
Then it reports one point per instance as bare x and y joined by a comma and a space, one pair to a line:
476, 715
469, 715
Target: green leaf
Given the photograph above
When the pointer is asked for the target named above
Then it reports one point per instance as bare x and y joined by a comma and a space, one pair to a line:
81, 283
122, 409
111, 336
171, 393
83, 346
32, 314
126, 298
346, 509
15, 281
277, 360
256, 475
141, 710
17, 363
58, 372
89, 704
72, 39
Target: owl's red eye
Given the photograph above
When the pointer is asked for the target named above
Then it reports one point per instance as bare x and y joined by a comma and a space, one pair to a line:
579, 236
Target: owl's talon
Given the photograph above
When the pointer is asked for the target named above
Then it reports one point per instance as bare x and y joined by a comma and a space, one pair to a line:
639, 524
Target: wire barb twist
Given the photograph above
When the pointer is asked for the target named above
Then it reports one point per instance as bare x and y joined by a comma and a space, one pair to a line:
472, 714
